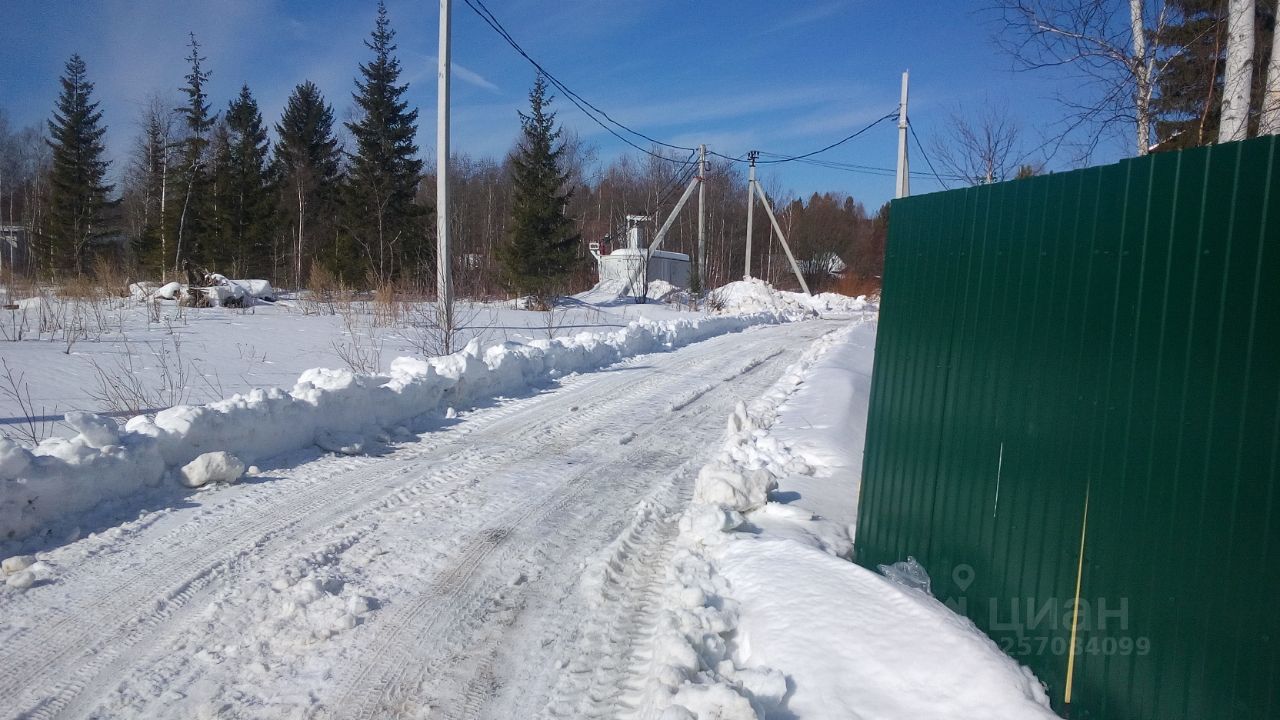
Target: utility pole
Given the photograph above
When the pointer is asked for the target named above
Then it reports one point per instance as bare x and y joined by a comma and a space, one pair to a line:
444, 280
702, 219
751, 205
795, 267
903, 188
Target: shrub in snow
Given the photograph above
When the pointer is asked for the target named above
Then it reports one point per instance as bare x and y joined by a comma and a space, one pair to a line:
210, 467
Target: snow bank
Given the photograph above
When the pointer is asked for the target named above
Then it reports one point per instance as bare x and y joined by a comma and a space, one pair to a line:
835, 303
658, 291
862, 646
754, 295
764, 614
335, 409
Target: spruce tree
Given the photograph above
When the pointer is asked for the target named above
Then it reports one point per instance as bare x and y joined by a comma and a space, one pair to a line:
244, 189
308, 163
383, 224
195, 181
542, 250
77, 191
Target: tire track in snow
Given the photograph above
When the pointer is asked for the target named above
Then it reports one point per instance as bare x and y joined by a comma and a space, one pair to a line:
425, 665
58, 665
171, 577
598, 682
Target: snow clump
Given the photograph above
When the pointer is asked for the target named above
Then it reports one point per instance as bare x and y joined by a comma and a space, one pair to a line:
210, 467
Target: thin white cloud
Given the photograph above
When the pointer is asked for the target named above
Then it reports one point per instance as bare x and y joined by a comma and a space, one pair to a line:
703, 108
424, 66
474, 78
807, 16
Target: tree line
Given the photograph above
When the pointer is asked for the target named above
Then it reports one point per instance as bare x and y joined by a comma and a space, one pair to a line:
1159, 75
221, 188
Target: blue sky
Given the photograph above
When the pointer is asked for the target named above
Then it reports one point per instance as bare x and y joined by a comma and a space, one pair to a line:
784, 77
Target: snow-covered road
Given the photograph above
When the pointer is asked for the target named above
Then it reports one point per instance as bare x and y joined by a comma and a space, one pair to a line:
441, 580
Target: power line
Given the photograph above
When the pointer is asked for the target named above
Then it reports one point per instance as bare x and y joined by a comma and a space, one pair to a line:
835, 144
497, 25
492, 21
925, 155
864, 169
590, 109
682, 177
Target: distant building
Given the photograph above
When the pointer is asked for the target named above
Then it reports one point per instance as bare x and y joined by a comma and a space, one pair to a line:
14, 247
634, 266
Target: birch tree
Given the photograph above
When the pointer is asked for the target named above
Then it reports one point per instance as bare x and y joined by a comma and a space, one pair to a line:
1270, 121
1107, 45
1238, 77
983, 148
147, 181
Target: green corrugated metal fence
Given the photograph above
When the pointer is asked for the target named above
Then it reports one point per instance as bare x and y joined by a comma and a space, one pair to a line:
1108, 336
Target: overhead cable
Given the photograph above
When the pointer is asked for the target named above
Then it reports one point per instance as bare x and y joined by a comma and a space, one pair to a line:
608, 123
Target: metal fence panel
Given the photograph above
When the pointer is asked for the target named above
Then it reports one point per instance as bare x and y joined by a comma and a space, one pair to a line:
1092, 359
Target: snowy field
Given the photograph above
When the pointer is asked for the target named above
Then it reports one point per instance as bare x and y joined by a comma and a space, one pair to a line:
120, 356
549, 524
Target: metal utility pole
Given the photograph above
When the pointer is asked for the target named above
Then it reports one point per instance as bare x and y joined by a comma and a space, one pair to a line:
751, 205
903, 187
702, 218
444, 279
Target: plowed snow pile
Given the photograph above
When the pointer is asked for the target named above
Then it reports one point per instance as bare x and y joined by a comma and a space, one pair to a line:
765, 615
336, 410
753, 295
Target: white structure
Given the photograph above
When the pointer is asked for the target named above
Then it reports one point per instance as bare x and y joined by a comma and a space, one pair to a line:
636, 265
9, 243
902, 186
